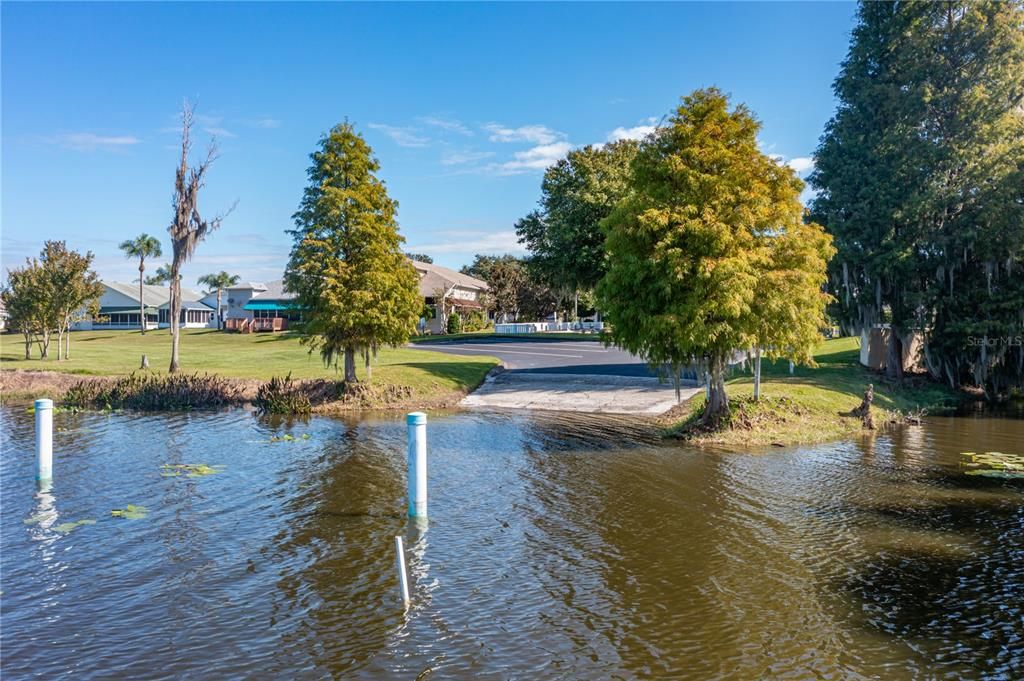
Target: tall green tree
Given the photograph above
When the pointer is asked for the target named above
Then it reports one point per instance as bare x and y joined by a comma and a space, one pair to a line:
143, 246
514, 292
420, 257
24, 297
74, 287
218, 282
356, 288
563, 235
919, 178
188, 228
687, 248
49, 294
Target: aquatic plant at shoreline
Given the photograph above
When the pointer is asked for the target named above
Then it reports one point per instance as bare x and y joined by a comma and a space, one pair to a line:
283, 396
153, 392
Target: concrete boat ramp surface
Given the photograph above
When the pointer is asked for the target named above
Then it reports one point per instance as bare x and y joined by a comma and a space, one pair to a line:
566, 375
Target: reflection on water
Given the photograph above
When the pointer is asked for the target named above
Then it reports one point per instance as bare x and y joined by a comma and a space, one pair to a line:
558, 547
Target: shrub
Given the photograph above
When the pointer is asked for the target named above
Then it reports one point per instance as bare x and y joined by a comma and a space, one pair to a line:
155, 392
454, 323
475, 321
282, 396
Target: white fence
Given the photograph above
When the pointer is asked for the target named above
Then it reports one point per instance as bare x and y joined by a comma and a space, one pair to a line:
543, 327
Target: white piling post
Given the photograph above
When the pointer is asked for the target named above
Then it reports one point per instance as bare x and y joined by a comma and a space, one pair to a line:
44, 440
403, 577
417, 463
791, 368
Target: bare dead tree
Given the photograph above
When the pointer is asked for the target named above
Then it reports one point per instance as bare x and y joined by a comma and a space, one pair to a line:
188, 227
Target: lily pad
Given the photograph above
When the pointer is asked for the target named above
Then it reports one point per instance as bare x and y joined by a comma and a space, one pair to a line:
192, 470
66, 528
289, 438
130, 512
993, 464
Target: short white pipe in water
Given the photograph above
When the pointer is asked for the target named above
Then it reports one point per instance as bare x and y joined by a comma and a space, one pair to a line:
417, 464
403, 577
44, 440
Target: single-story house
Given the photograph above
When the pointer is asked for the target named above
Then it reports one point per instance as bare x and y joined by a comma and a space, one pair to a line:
119, 308
458, 290
255, 300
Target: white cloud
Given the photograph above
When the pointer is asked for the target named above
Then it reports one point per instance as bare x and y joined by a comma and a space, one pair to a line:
449, 125
219, 132
536, 134
266, 123
403, 137
205, 120
87, 141
637, 132
801, 164
471, 241
537, 158
453, 158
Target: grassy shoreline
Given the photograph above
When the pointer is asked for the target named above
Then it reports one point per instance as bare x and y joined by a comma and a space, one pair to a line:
807, 407
406, 377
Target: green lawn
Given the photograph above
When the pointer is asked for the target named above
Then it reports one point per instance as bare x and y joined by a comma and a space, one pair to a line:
255, 356
816, 398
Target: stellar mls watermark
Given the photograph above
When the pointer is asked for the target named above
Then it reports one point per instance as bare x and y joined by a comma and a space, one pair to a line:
995, 341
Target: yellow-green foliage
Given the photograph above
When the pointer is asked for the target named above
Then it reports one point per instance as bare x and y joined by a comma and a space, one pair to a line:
709, 252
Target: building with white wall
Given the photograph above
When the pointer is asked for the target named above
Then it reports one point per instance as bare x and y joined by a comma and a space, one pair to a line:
119, 308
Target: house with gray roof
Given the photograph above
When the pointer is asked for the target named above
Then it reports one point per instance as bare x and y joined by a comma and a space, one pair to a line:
455, 290
257, 300
119, 308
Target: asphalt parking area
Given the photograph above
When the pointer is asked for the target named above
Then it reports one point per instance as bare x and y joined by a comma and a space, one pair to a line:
548, 357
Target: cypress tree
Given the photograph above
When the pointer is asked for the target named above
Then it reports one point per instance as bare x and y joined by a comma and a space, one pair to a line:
355, 287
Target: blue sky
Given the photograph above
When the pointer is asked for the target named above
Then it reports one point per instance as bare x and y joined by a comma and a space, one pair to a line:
464, 105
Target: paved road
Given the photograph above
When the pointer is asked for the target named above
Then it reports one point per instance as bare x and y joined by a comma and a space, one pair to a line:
564, 375
525, 356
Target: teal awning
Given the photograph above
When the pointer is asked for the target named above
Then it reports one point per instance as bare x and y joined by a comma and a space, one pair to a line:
267, 305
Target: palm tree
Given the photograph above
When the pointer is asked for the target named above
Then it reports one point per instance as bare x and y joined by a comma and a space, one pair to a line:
161, 276
218, 282
143, 246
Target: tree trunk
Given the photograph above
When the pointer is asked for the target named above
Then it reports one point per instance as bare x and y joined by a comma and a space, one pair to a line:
175, 312
44, 345
67, 344
142, 303
369, 369
60, 341
350, 364
757, 373
218, 310
28, 344
718, 400
894, 356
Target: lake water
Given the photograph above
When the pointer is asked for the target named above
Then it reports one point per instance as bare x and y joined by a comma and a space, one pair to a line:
558, 548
